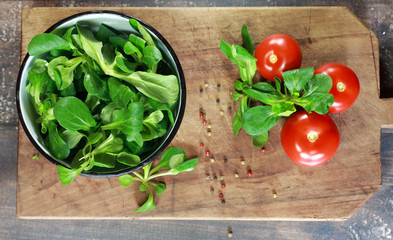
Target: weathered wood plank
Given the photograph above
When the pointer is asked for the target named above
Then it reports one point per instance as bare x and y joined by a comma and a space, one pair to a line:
333, 191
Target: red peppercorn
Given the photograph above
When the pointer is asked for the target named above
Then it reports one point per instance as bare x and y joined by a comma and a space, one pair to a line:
220, 196
223, 186
201, 145
204, 122
249, 173
207, 153
201, 115
263, 149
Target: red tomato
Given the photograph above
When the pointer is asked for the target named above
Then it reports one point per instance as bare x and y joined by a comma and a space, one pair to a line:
310, 139
345, 85
277, 54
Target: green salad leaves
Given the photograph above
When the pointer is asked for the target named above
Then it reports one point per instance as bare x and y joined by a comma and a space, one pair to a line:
262, 104
173, 162
104, 99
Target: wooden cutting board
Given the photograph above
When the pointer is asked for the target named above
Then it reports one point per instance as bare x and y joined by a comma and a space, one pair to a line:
333, 191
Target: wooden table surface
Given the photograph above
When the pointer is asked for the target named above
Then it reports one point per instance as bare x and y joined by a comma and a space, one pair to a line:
373, 221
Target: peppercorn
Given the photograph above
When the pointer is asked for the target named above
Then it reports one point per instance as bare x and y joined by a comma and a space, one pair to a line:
223, 201
243, 162
201, 114
217, 100
236, 175
204, 122
212, 160
209, 133
201, 145
221, 196
207, 153
222, 113
249, 173
263, 149
223, 186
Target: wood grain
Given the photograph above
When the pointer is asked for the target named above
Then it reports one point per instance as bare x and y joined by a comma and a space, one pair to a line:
333, 191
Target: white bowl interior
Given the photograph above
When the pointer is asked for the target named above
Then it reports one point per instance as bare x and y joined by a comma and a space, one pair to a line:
93, 20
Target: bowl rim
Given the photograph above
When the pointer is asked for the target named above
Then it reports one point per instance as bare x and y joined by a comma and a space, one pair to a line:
182, 94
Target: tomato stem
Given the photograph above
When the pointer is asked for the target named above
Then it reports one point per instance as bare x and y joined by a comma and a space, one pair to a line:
312, 136
340, 87
273, 58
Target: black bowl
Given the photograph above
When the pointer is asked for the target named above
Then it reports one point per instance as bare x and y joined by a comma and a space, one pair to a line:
118, 21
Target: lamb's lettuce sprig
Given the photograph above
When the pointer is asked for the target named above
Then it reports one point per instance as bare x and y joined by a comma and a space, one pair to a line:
173, 162
299, 87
